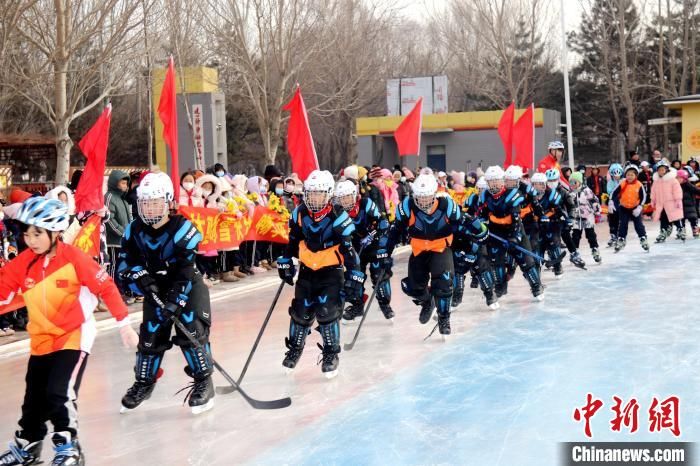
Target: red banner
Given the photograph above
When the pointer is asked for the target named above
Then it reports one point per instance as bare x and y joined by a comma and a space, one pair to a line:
222, 230
88, 238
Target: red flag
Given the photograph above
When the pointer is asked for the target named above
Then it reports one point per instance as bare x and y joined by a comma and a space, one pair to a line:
505, 131
88, 193
524, 139
88, 238
300, 144
167, 111
407, 135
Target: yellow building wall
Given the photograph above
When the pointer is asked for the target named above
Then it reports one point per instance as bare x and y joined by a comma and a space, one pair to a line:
369, 126
691, 130
197, 79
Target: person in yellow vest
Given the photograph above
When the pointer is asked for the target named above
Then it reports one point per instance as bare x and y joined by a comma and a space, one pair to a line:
320, 235
628, 199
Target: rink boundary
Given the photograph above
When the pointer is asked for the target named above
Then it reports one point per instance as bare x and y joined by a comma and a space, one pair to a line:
22, 346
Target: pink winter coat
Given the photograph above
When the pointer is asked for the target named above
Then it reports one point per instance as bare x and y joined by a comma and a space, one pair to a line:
667, 195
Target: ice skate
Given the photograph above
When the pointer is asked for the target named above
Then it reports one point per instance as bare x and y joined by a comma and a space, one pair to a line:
68, 451
621, 243
21, 452
426, 310
576, 259
135, 395
444, 325
492, 301
612, 241
644, 243
596, 255
292, 356
200, 398
329, 361
387, 311
352, 311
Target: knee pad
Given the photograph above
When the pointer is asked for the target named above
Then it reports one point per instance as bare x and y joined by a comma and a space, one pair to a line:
199, 361
195, 327
413, 293
328, 312
301, 312
154, 337
147, 365
441, 286
384, 292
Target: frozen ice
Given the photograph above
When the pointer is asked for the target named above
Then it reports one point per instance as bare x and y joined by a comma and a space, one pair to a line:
501, 391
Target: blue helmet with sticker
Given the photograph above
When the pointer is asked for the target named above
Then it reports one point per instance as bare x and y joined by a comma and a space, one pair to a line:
49, 214
615, 169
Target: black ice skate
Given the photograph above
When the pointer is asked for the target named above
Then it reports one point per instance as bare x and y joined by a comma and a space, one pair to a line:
444, 324
645, 244
329, 361
68, 452
681, 235
426, 310
558, 270
136, 394
621, 243
387, 311
665, 233
21, 452
291, 358
596, 255
612, 241
491, 300
576, 259
352, 311
474, 283
200, 396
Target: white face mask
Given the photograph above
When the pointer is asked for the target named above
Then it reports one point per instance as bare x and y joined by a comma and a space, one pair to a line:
188, 185
206, 192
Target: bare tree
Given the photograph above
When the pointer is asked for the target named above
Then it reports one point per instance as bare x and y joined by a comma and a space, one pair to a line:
262, 45
70, 56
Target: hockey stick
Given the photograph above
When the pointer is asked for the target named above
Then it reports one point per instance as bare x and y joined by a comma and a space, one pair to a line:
432, 331
351, 345
522, 249
230, 388
257, 404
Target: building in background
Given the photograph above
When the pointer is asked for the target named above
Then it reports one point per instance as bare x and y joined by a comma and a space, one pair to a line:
459, 141
689, 107
208, 115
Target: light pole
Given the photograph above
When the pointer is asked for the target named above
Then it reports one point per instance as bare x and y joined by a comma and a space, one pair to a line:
567, 100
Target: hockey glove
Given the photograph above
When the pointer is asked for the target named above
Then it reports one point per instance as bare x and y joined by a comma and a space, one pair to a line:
354, 282
286, 269
384, 259
148, 287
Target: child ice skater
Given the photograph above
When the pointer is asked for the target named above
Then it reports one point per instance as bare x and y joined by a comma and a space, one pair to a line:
60, 285
628, 199
586, 207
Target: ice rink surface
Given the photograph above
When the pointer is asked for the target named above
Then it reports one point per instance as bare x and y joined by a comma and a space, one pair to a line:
501, 391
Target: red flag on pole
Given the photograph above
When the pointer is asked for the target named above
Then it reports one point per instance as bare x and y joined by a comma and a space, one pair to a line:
300, 143
407, 135
505, 131
167, 111
524, 139
88, 193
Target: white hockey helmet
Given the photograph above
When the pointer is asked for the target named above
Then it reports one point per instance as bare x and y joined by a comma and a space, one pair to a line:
513, 176
346, 194
495, 177
424, 189
539, 178
555, 145
318, 190
153, 197
482, 184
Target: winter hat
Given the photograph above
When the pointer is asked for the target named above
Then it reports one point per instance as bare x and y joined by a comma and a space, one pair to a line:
408, 173
376, 172
682, 174
272, 172
19, 195
576, 176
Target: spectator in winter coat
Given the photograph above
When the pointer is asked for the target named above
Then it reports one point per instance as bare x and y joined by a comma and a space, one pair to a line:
690, 211
190, 194
666, 199
596, 183
634, 159
120, 215
646, 176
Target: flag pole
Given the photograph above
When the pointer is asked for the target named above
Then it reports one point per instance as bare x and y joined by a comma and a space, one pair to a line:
567, 99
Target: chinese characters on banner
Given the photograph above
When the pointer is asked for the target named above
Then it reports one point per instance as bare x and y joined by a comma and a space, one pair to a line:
663, 415
221, 230
198, 131
88, 238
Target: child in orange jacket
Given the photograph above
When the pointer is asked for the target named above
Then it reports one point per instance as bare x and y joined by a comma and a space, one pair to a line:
628, 199
60, 285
